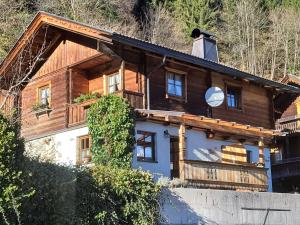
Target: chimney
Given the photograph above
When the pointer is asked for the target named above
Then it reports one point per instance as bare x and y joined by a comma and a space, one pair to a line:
204, 45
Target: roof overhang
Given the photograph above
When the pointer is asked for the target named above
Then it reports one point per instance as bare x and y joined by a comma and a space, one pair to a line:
170, 53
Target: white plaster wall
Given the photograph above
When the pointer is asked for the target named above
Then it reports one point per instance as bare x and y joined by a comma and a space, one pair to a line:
60, 148
197, 145
201, 148
161, 167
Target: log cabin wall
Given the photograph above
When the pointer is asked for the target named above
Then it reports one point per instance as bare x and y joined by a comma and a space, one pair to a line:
34, 125
54, 72
256, 103
79, 84
256, 99
257, 109
132, 78
196, 86
96, 83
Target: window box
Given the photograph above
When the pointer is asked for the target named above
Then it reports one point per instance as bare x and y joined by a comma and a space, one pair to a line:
41, 109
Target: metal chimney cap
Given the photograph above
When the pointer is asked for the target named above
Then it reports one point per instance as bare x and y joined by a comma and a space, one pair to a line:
197, 32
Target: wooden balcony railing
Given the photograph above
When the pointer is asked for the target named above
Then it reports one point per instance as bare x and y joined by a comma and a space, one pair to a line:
77, 113
291, 124
225, 176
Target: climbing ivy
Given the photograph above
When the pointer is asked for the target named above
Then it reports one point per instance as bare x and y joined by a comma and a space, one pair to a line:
111, 125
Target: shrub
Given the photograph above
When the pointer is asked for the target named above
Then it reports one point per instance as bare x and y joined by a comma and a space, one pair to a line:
111, 125
89, 196
11, 147
130, 196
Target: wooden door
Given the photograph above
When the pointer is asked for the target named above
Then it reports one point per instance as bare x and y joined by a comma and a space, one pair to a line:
174, 157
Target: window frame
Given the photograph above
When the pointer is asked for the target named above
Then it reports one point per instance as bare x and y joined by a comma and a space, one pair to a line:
240, 97
153, 147
183, 75
79, 159
119, 84
38, 93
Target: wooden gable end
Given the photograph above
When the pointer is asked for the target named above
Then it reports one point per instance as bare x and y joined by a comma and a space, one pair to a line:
54, 72
67, 53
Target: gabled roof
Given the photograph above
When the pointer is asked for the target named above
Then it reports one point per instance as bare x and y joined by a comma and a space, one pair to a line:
43, 18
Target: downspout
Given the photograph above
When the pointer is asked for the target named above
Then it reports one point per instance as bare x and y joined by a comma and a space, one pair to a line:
148, 80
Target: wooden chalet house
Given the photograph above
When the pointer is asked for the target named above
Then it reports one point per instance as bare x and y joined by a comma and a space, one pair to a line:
286, 157
178, 134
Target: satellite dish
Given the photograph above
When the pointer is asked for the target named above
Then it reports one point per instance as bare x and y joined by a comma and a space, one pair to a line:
214, 96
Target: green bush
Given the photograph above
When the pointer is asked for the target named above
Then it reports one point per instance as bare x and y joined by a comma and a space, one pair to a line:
89, 196
11, 194
130, 196
111, 125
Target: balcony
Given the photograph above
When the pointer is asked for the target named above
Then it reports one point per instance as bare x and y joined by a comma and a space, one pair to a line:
225, 176
76, 114
286, 168
290, 124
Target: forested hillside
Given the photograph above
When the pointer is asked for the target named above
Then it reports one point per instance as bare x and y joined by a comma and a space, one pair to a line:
258, 36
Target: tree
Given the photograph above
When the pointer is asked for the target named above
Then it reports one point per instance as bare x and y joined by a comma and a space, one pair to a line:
111, 125
245, 23
193, 14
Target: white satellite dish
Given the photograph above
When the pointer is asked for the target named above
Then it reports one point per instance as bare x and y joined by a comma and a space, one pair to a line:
214, 96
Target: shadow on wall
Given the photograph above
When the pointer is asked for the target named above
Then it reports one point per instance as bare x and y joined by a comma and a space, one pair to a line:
182, 213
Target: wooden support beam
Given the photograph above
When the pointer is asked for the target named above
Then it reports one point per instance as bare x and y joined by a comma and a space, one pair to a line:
122, 73
261, 147
182, 151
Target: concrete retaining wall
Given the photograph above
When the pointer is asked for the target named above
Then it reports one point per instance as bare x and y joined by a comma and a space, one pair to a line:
216, 207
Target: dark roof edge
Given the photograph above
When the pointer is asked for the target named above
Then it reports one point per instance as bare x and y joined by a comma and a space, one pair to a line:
201, 62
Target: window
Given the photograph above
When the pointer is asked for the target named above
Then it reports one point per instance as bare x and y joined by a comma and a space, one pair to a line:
84, 153
44, 95
175, 84
145, 146
114, 83
249, 156
233, 97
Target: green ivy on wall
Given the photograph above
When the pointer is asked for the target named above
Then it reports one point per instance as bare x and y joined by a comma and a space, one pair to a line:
111, 125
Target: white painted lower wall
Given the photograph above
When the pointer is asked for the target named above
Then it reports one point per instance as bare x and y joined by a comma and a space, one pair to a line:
62, 148
198, 147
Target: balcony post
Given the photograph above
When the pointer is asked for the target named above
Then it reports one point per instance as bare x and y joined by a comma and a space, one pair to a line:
182, 150
261, 156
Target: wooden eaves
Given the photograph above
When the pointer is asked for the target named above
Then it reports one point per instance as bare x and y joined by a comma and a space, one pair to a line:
47, 19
